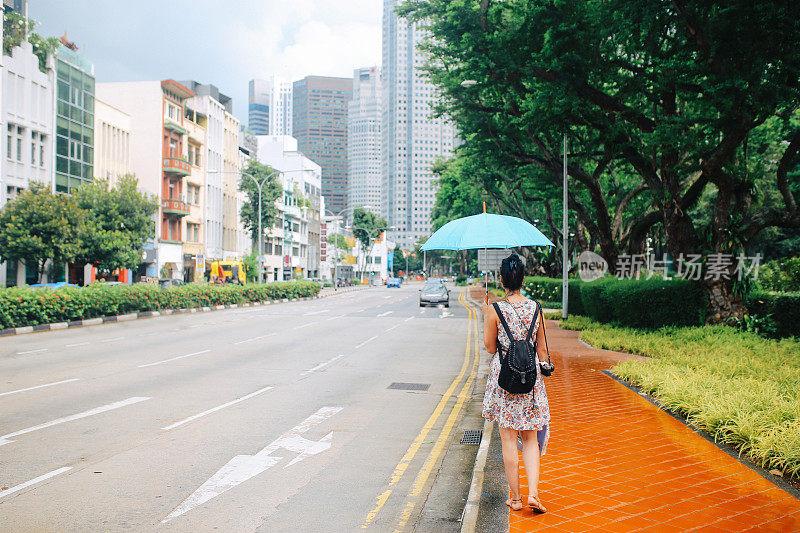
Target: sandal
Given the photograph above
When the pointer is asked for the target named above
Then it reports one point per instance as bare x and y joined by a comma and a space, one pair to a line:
536, 505
512, 504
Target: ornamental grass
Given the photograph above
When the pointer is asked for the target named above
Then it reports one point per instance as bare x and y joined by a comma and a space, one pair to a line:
740, 388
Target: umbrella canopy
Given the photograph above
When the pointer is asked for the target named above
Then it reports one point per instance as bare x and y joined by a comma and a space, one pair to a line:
486, 231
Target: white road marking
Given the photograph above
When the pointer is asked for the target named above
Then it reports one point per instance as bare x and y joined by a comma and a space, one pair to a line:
33, 351
316, 312
446, 313
255, 338
386, 313
90, 412
335, 317
76, 344
366, 341
174, 358
39, 386
217, 408
114, 339
322, 365
409, 318
34, 481
244, 467
391, 328
306, 325
387, 296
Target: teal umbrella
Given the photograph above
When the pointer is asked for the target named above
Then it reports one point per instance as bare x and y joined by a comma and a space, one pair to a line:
486, 231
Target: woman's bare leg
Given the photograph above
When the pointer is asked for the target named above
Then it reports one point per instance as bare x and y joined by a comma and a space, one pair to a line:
530, 456
508, 440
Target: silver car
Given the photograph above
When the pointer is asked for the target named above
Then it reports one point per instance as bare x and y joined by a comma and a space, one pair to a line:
434, 294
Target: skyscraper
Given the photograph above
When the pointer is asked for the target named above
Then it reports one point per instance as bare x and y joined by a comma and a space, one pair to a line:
364, 141
411, 139
280, 117
319, 116
258, 106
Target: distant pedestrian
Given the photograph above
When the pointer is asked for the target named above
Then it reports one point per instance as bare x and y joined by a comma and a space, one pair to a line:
526, 415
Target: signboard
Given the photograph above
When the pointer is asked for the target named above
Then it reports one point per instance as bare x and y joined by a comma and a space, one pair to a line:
491, 259
287, 261
200, 262
390, 260
349, 259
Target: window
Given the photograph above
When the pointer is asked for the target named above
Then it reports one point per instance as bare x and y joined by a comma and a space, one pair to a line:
10, 142
20, 131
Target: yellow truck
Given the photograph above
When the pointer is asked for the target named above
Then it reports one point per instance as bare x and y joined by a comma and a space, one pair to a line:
222, 272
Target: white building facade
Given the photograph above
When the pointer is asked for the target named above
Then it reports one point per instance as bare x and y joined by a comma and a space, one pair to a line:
288, 250
112, 141
411, 139
27, 111
364, 141
280, 109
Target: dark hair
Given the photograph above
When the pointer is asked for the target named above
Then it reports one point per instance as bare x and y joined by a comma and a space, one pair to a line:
511, 270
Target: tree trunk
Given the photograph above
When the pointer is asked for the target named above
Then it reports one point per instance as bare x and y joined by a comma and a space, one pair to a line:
722, 304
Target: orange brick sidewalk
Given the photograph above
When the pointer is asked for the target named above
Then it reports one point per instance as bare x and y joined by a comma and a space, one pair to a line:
616, 463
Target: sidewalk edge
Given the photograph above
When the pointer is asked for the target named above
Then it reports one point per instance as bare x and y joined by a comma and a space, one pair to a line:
469, 518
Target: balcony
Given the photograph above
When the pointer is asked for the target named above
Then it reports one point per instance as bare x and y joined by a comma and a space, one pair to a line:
173, 206
176, 165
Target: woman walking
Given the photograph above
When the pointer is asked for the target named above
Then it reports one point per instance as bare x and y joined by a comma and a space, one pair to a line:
526, 415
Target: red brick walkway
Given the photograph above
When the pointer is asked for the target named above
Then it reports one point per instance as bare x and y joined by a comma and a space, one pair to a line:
616, 463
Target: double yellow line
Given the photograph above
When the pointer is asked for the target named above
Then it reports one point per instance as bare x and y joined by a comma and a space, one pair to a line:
430, 462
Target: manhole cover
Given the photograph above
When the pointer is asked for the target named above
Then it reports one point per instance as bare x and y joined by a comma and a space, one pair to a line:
472, 436
409, 386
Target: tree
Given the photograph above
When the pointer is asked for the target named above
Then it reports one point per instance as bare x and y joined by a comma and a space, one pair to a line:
16, 27
658, 99
367, 227
39, 225
270, 192
117, 221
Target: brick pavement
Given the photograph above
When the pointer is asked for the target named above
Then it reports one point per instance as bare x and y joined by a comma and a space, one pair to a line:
617, 463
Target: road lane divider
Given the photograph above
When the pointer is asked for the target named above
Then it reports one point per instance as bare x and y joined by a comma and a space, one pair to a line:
39, 386
217, 408
366, 341
33, 351
412, 450
256, 338
77, 344
391, 328
174, 358
335, 317
306, 325
386, 313
5, 439
322, 365
444, 435
34, 481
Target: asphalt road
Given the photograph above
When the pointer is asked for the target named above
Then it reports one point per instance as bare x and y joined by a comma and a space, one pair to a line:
264, 418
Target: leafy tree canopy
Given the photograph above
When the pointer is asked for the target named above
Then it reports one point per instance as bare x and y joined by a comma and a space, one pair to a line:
118, 219
39, 225
367, 226
271, 190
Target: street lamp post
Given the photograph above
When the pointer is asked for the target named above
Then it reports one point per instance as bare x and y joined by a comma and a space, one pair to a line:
336, 244
260, 186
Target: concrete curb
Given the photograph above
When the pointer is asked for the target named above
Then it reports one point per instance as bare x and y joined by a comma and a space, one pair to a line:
469, 518
152, 314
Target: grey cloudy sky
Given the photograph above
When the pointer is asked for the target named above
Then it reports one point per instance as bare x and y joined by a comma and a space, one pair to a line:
221, 42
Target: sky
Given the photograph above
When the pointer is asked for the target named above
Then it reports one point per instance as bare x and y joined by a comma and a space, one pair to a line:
225, 43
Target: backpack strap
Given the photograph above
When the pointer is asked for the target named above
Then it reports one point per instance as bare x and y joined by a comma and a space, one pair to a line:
511, 338
544, 331
533, 322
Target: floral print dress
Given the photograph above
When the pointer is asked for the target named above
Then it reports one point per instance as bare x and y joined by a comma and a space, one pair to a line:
528, 411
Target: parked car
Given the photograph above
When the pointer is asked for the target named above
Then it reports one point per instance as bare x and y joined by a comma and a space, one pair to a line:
393, 282
434, 294
53, 286
167, 283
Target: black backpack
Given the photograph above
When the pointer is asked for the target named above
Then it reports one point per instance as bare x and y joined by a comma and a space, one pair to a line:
518, 367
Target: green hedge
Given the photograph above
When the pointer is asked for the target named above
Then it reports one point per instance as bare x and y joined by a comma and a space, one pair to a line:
644, 303
780, 311
549, 290
27, 307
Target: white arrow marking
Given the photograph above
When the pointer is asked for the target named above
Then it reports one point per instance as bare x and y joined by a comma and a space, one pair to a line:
39, 386
90, 412
243, 467
386, 313
34, 481
446, 314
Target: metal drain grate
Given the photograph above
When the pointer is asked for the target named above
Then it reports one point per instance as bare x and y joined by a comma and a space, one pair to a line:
472, 436
409, 386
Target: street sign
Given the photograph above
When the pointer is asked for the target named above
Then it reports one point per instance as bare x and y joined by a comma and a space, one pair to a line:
287, 261
490, 259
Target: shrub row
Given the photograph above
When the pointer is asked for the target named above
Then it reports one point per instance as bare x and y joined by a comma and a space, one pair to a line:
26, 307
549, 290
779, 312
